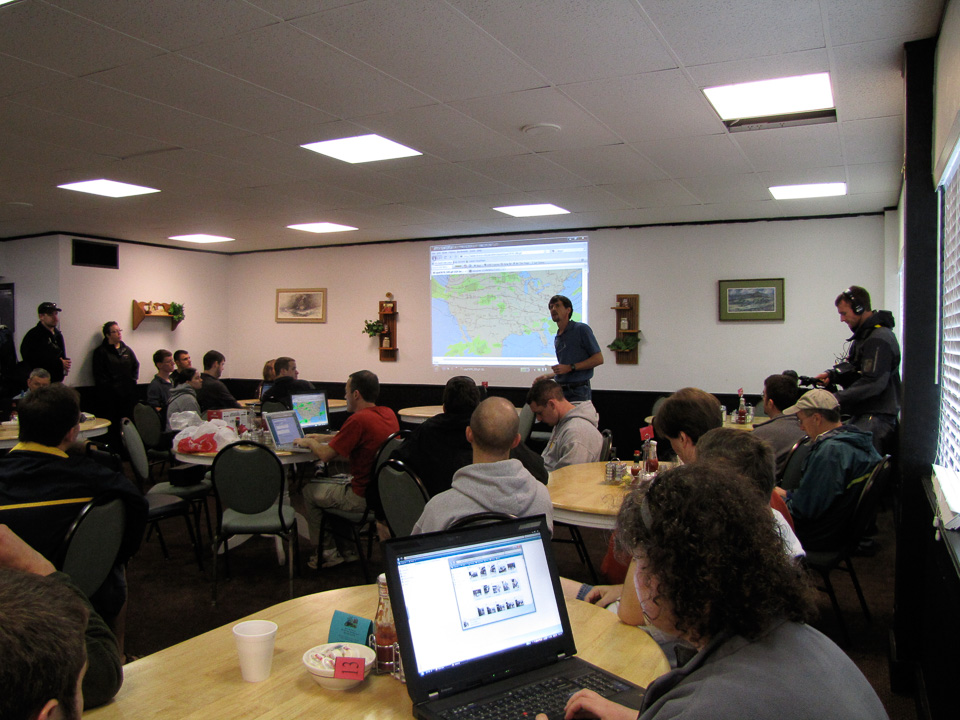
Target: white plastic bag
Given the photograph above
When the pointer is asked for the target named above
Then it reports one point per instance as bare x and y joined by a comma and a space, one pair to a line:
184, 419
211, 436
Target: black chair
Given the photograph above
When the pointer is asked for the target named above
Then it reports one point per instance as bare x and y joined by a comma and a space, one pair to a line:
163, 507
526, 422
481, 518
403, 497
826, 561
249, 482
89, 549
790, 477
607, 444
150, 427
273, 406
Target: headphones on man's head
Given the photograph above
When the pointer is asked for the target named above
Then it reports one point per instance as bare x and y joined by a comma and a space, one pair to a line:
855, 305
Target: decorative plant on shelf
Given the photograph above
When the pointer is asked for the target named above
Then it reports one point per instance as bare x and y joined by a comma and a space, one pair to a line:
176, 311
373, 327
625, 343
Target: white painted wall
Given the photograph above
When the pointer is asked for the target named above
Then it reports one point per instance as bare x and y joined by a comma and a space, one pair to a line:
230, 302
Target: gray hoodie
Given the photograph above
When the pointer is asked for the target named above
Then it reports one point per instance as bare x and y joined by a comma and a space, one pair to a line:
182, 397
575, 439
504, 486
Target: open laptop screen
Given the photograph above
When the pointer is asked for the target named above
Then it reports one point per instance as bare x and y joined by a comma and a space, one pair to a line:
466, 598
312, 412
283, 427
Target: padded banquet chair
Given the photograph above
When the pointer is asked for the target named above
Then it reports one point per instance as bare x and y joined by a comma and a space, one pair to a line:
526, 422
607, 444
89, 549
150, 427
272, 407
193, 493
249, 481
826, 561
790, 477
403, 497
481, 518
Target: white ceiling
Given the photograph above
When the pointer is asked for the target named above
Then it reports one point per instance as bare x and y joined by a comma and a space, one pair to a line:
209, 101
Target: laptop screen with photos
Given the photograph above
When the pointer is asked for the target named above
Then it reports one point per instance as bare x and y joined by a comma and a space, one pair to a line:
312, 411
474, 602
283, 427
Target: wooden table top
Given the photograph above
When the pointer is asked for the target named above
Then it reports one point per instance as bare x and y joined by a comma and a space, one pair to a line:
200, 678
286, 458
420, 412
90, 428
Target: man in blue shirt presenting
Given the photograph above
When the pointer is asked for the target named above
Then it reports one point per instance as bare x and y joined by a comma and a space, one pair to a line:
577, 351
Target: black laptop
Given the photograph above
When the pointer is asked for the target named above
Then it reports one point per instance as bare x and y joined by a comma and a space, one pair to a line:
312, 412
480, 618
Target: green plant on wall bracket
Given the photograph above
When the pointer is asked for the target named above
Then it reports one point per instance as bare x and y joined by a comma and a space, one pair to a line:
176, 311
373, 327
625, 344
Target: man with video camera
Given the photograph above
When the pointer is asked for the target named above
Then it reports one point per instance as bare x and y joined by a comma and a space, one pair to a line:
870, 375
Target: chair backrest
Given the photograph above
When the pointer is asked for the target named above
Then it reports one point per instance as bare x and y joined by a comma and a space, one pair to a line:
273, 406
248, 477
389, 445
135, 449
481, 518
526, 422
89, 549
869, 501
607, 444
790, 478
403, 496
148, 425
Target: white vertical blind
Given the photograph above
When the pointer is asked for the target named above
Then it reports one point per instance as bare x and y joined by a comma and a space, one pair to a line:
948, 453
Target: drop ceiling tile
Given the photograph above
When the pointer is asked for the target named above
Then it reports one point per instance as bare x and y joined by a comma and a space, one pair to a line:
662, 193
726, 188
582, 199
851, 21
454, 180
803, 176
589, 40
872, 140
874, 178
690, 156
69, 43
608, 164
791, 147
802, 62
17, 76
443, 132
456, 209
291, 63
524, 172
867, 82
425, 44
189, 86
650, 106
171, 25
814, 206
711, 31
291, 9
211, 167
873, 202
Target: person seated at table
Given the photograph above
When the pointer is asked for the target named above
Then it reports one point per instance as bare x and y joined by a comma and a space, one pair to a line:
781, 431
181, 359
832, 475
183, 396
213, 394
158, 391
575, 437
45, 480
359, 440
38, 378
286, 383
269, 375
684, 417
710, 570
32, 589
494, 482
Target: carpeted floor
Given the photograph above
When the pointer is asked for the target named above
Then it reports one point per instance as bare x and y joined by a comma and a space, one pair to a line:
169, 600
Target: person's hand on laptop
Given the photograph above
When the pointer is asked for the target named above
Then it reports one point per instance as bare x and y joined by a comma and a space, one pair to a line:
318, 445
587, 703
603, 595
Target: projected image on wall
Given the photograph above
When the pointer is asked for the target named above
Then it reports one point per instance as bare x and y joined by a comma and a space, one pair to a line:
489, 299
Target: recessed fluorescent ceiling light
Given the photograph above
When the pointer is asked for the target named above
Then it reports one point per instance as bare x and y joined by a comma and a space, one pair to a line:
363, 148
323, 227
795, 192
532, 210
201, 238
782, 96
108, 188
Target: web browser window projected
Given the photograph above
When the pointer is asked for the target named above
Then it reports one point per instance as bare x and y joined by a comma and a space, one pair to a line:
489, 299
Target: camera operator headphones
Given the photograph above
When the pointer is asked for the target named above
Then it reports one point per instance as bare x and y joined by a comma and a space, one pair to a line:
855, 304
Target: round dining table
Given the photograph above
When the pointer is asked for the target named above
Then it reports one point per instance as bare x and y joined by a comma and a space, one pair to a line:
88, 429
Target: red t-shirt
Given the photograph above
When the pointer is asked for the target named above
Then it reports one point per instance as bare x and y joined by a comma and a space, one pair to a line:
359, 440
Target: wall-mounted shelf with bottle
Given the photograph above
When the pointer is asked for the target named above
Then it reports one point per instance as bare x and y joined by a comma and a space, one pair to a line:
388, 338
628, 328
143, 310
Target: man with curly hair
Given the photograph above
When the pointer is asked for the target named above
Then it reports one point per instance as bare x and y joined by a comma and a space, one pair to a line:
710, 570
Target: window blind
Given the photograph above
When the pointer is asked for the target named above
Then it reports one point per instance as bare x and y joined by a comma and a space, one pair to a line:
948, 451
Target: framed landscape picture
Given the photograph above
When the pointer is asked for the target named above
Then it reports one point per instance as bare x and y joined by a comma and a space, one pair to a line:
751, 299
301, 305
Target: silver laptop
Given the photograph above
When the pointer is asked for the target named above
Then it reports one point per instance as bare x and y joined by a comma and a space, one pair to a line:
284, 429
483, 626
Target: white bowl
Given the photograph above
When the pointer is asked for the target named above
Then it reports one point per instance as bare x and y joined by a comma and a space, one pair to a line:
324, 676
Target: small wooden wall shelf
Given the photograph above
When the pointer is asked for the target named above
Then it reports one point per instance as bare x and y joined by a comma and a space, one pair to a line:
628, 307
388, 316
144, 310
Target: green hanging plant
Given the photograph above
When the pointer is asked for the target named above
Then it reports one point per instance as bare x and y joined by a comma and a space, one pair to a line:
373, 327
176, 311
625, 343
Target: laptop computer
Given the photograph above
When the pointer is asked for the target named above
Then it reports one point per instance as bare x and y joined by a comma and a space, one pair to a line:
284, 429
312, 412
479, 613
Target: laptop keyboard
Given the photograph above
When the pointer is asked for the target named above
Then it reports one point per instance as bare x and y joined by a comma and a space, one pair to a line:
548, 696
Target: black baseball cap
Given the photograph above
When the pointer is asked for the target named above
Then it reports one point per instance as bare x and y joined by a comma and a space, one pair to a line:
47, 307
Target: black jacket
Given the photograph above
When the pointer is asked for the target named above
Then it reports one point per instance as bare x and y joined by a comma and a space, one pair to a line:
41, 348
285, 386
875, 356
